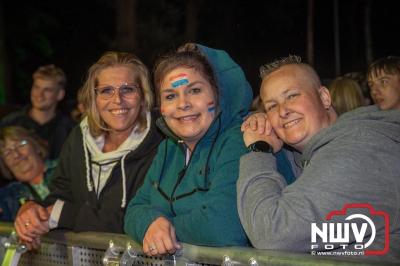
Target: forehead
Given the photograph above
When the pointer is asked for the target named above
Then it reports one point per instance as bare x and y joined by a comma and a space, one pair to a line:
172, 78
286, 78
116, 74
379, 74
40, 82
11, 141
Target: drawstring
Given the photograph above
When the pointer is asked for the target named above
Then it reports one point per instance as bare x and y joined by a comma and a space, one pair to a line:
89, 184
123, 202
181, 174
209, 153
88, 174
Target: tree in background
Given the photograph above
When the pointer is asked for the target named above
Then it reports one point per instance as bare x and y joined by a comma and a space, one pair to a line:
4, 78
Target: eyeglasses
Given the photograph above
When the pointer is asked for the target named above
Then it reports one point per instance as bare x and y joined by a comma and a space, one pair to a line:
20, 147
125, 91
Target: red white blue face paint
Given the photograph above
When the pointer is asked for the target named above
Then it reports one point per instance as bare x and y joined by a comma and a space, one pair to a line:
211, 107
179, 80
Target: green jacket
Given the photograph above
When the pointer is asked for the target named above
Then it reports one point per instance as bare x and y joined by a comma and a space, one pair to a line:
200, 198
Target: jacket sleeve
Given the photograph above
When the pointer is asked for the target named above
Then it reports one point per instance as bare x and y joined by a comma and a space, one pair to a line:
140, 213
60, 185
216, 222
276, 216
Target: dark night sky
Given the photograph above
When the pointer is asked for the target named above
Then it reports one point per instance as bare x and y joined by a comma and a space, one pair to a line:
73, 34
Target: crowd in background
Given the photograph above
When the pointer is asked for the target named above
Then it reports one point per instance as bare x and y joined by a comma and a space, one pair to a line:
191, 164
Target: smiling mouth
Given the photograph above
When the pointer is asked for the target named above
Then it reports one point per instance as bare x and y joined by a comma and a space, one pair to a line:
187, 118
119, 111
291, 123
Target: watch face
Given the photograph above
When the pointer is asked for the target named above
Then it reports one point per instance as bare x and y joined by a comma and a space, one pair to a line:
260, 146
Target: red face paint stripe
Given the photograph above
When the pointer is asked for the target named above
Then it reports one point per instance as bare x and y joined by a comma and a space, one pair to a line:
178, 76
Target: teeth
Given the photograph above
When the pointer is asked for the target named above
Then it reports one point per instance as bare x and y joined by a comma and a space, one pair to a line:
188, 118
291, 123
119, 111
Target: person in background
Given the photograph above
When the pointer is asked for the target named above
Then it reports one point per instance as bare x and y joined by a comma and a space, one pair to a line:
383, 77
346, 95
360, 78
24, 155
189, 192
339, 161
256, 105
77, 113
41, 115
105, 158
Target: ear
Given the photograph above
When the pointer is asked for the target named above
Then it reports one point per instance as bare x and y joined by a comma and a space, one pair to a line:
61, 94
325, 96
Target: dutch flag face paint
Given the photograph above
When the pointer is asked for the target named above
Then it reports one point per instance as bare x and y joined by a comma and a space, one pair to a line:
179, 80
211, 107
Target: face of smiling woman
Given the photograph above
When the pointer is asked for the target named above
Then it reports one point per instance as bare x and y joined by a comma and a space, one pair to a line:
296, 108
118, 112
22, 160
187, 104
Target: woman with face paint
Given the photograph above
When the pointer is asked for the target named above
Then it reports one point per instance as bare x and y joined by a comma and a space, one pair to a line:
105, 158
189, 193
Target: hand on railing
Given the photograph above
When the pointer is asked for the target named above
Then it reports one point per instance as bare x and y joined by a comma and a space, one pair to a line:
160, 238
31, 223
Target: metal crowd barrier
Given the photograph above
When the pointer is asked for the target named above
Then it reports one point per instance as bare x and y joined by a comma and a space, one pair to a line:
93, 248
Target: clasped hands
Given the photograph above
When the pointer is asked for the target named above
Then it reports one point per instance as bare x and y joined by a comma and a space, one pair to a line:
258, 128
32, 221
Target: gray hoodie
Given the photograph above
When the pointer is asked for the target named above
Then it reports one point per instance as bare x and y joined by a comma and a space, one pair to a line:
355, 160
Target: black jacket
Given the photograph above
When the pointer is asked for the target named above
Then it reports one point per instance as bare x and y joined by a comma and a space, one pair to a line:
54, 132
82, 210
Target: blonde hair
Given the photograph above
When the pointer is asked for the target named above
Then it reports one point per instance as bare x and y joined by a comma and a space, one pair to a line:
346, 95
97, 126
51, 72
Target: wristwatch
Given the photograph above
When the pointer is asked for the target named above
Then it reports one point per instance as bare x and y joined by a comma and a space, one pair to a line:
260, 146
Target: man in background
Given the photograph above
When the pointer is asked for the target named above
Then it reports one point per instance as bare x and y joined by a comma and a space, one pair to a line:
41, 115
384, 81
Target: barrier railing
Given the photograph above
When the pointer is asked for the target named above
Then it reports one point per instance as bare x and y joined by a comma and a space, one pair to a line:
93, 248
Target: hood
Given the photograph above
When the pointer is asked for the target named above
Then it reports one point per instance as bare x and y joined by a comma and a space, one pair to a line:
364, 119
99, 164
235, 93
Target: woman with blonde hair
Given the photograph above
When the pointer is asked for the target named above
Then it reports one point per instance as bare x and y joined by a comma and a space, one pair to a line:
346, 95
105, 158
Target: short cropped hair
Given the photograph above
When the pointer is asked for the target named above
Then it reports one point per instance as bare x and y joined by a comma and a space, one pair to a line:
269, 68
275, 65
187, 56
389, 65
88, 96
51, 72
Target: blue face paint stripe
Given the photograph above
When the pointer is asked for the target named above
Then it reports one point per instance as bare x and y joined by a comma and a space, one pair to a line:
211, 109
179, 83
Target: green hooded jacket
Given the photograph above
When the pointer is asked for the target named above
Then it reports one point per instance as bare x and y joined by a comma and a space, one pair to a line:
199, 198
